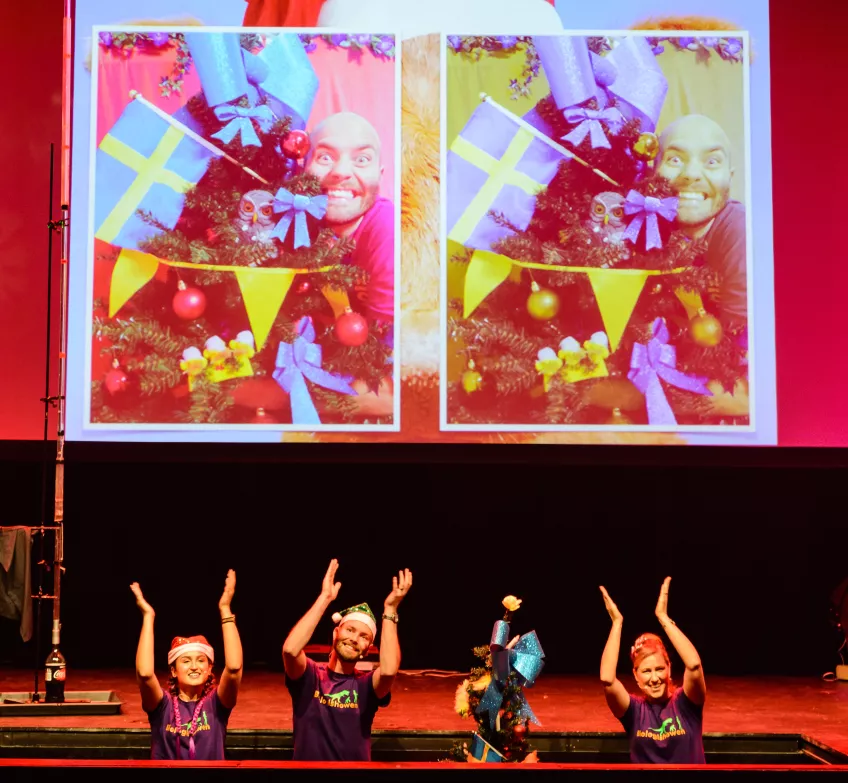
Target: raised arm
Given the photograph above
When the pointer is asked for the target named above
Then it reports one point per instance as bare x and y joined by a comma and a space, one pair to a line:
386, 672
618, 699
294, 659
148, 685
694, 685
233, 659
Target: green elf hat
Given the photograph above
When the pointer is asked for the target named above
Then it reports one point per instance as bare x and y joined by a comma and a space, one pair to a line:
360, 612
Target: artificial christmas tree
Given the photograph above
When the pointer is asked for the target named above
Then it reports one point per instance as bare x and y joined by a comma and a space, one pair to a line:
494, 696
584, 301
220, 273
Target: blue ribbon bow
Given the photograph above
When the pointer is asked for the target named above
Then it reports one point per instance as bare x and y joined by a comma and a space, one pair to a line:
294, 209
646, 209
299, 362
524, 661
658, 360
590, 124
239, 121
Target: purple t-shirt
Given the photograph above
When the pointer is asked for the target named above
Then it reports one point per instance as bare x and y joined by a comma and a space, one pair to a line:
211, 733
670, 733
333, 714
375, 254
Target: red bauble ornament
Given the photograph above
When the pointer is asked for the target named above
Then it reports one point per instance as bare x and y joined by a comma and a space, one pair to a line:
189, 303
115, 381
520, 730
351, 329
263, 417
296, 145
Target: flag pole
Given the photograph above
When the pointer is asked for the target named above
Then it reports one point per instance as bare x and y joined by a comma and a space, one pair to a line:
137, 96
542, 137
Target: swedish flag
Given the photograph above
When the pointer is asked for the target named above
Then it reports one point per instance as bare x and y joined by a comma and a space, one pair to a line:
143, 163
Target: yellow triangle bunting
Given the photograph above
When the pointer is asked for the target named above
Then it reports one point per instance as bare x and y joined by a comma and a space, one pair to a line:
133, 270
617, 291
486, 271
264, 295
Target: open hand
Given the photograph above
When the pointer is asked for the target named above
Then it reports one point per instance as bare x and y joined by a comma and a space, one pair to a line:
662, 603
145, 607
400, 587
229, 590
329, 588
615, 615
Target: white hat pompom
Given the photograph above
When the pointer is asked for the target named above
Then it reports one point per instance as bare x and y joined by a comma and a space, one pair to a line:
336, 618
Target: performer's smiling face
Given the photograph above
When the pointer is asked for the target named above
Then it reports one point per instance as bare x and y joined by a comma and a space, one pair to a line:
351, 640
345, 158
652, 676
191, 670
695, 157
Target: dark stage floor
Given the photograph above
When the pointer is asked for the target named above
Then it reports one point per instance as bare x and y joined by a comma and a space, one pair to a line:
780, 713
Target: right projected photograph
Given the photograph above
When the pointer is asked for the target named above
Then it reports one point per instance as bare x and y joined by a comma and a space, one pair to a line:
597, 233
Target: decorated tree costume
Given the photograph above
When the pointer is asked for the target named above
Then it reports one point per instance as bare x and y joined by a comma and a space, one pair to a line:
584, 303
494, 695
227, 301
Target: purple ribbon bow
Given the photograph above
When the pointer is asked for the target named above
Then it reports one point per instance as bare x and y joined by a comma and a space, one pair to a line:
239, 121
590, 124
294, 209
299, 362
657, 360
646, 209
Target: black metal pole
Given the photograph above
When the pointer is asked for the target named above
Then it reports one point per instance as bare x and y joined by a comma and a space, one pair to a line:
47, 401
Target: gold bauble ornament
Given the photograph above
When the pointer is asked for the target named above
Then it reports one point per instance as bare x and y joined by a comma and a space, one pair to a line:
647, 146
471, 379
542, 304
619, 418
706, 329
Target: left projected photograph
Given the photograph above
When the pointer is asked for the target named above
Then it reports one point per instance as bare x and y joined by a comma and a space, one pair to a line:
242, 230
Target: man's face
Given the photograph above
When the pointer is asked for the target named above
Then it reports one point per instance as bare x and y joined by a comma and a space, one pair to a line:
696, 160
346, 160
352, 640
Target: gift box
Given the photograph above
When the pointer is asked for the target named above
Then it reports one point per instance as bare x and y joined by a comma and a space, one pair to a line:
291, 83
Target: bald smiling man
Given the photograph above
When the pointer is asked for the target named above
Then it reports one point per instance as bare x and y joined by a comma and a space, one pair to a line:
695, 156
346, 159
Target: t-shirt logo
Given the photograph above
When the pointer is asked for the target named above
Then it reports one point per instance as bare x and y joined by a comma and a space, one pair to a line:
665, 731
183, 731
343, 700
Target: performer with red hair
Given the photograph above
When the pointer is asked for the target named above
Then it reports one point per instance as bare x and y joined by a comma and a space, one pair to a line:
664, 724
189, 721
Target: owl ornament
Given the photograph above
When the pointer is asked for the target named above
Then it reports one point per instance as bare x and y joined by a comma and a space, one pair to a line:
607, 220
256, 219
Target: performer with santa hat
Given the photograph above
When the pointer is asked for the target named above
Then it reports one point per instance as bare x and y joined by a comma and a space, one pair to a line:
189, 721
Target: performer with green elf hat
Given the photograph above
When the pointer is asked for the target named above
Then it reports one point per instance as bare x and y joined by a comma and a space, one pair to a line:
334, 703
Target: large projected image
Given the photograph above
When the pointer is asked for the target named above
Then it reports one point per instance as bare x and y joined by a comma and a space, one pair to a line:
244, 250
381, 228
596, 258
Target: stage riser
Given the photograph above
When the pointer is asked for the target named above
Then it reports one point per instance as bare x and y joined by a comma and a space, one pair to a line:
436, 774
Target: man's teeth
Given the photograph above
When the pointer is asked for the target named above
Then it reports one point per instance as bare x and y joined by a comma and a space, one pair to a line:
688, 195
340, 193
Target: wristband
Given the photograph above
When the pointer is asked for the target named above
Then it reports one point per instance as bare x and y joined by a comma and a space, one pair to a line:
392, 617
230, 619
